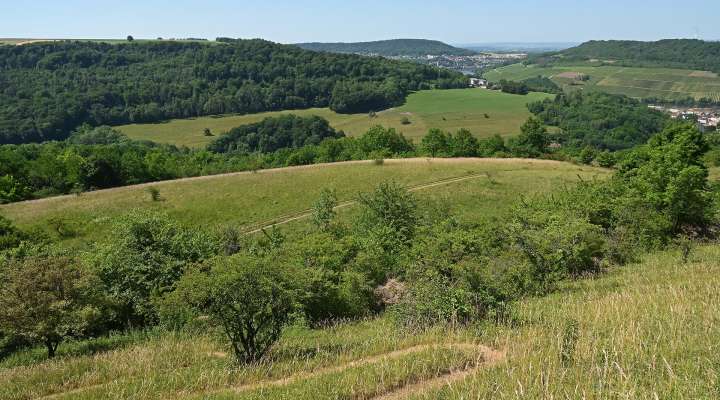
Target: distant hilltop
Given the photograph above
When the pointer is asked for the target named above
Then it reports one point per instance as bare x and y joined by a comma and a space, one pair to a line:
390, 48
670, 53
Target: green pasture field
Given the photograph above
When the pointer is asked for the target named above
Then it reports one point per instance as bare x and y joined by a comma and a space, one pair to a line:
644, 331
665, 83
445, 109
247, 199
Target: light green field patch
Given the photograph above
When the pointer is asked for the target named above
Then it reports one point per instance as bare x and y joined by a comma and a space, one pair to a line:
444, 109
634, 82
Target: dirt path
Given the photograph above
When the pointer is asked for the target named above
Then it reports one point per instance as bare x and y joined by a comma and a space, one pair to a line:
486, 352
487, 356
301, 167
490, 357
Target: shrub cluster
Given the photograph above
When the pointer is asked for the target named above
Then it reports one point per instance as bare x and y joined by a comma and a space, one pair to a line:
400, 254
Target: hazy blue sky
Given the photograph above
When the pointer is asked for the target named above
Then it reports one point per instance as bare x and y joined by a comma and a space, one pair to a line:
454, 21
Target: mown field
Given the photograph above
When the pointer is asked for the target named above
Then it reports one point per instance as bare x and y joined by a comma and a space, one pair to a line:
445, 109
250, 199
644, 331
634, 82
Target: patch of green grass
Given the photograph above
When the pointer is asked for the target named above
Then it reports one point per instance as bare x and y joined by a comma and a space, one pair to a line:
248, 198
445, 109
715, 174
634, 82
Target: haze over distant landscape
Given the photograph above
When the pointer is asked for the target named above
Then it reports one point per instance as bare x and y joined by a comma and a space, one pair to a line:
452, 21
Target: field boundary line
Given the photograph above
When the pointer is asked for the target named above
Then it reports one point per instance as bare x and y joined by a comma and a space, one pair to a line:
308, 212
389, 161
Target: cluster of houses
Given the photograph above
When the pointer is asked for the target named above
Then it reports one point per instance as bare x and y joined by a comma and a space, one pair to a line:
708, 119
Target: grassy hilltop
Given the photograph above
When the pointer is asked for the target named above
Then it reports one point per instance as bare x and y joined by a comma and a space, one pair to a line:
445, 109
248, 199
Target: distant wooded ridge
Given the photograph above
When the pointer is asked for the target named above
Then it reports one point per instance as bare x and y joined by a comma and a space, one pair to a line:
670, 53
393, 47
49, 89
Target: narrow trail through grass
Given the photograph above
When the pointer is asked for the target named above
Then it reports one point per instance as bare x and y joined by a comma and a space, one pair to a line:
285, 219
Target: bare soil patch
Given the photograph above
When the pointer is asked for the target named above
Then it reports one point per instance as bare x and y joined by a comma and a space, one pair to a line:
570, 75
703, 74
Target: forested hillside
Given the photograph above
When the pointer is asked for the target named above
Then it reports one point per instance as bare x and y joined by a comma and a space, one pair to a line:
394, 47
672, 53
48, 89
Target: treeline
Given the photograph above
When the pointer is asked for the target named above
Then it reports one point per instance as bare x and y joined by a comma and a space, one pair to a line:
534, 84
410, 258
272, 134
671, 53
103, 158
602, 121
99, 158
591, 127
48, 89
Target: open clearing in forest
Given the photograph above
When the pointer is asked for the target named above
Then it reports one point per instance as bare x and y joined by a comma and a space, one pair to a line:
248, 199
666, 83
445, 109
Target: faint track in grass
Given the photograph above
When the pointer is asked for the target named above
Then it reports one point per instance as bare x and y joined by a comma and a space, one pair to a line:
393, 161
285, 219
489, 358
487, 355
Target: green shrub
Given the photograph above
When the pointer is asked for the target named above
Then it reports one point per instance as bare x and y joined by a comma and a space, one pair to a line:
142, 260
47, 300
154, 193
324, 209
251, 298
10, 236
390, 205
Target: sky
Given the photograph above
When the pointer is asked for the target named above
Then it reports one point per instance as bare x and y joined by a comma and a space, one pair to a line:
285, 21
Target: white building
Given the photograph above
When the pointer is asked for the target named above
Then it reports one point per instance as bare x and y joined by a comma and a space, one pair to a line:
477, 82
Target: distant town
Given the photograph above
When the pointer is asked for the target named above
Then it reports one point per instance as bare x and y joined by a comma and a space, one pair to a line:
468, 65
708, 119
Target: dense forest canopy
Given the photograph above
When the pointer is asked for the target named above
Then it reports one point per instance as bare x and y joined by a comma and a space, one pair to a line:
48, 89
671, 53
394, 47
600, 120
275, 133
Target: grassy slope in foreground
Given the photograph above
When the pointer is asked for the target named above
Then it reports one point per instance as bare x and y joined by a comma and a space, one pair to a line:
446, 109
634, 82
644, 331
246, 198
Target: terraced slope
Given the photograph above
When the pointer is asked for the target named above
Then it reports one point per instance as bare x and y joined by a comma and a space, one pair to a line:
634, 82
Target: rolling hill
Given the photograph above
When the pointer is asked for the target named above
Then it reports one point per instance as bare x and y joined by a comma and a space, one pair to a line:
251, 199
445, 109
394, 47
642, 330
675, 69
51, 88
669, 53
636, 82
